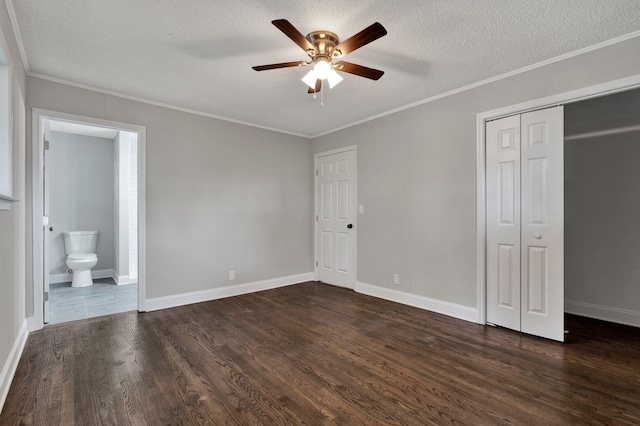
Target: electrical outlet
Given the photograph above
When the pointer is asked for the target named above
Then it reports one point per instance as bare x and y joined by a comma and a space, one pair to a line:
232, 275
396, 279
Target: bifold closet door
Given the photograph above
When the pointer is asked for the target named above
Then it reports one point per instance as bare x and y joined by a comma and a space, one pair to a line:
525, 223
503, 222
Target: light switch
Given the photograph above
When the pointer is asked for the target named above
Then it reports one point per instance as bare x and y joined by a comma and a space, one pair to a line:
361, 208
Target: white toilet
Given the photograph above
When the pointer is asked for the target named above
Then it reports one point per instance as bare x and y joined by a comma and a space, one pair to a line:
80, 247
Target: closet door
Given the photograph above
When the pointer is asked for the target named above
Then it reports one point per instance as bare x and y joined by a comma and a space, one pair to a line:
542, 235
503, 222
525, 222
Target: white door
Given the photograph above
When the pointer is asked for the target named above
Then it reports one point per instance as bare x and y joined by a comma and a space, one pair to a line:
503, 222
525, 223
48, 227
542, 235
335, 224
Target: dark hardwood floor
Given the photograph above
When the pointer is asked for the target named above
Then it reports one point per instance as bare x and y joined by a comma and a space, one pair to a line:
315, 354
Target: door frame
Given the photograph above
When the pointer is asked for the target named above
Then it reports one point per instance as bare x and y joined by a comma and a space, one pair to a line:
598, 90
352, 148
38, 116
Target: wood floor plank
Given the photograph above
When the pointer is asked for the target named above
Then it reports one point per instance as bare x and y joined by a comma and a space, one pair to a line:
316, 354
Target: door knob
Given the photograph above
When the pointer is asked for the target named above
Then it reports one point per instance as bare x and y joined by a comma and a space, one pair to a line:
51, 228
537, 236
350, 226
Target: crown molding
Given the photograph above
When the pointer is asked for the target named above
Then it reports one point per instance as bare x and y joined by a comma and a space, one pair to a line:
16, 34
490, 80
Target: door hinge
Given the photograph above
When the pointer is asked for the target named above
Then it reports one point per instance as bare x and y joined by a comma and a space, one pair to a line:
46, 296
316, 172
46, 145
316, 218
316, 263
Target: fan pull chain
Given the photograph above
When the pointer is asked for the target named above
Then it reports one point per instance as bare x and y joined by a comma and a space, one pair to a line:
322, 98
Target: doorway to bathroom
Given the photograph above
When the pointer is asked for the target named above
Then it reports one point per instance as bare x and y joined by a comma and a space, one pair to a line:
91, 182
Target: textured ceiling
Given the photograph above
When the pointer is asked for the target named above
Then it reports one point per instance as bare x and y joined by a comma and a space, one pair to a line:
198, 54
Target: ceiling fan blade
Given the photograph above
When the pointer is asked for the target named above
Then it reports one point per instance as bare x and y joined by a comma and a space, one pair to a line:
295, 35
359, 70
366, 36
317, 88
281, 65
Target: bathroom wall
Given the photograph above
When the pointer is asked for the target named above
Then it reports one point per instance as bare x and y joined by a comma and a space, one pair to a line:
602, 207
81, 196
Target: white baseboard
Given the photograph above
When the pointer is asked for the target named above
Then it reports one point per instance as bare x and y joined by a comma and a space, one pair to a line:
33, 324
446, 308
65, 278
605, 313
59, 278
222, 292
11, 364
123, 279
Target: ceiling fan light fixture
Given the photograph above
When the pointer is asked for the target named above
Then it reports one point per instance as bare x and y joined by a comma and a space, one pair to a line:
322, 47
310, 79
322, 68
333, 78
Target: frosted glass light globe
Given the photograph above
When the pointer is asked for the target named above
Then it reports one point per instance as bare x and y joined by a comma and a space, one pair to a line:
322, 69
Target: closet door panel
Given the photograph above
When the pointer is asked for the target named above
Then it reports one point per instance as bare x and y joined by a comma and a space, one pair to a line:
542, 223
503, 222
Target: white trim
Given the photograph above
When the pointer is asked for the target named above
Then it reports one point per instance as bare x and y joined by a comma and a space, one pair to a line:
222, 292
33, 324
36, 322
605, 313
142, 221
11, 365
316, 156
6, 202
584, 93
490, 80
439, 306
123, 279
161, 104
95, 274
7, 61
16, 34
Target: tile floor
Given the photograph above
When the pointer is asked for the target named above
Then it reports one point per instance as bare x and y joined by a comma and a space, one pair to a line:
104, 297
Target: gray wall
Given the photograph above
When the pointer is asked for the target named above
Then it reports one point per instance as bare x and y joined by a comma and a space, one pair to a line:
602, 203
220, 196
81, 195
417, 175
12, 223
224, 196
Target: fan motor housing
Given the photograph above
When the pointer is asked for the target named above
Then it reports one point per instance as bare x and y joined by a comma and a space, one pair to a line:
323, 41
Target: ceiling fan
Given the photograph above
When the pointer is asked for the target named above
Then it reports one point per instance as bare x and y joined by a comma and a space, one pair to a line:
324, 46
